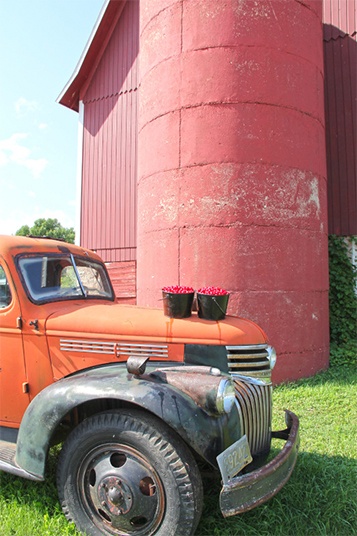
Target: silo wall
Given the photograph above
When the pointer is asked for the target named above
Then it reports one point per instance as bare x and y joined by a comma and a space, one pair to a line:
232, 167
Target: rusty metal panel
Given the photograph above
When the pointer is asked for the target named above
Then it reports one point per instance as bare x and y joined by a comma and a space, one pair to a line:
340, 56
108, 206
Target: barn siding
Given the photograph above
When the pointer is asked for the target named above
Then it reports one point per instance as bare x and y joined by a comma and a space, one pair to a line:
340, 51
123, 278
108, 206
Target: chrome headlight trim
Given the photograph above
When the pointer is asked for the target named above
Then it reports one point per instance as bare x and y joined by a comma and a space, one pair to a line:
225, 396
272, 356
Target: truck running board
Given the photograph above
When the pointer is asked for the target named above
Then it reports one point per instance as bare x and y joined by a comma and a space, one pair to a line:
8, 464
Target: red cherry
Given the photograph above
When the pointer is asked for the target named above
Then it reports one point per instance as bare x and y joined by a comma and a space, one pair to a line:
178, 289
213, 291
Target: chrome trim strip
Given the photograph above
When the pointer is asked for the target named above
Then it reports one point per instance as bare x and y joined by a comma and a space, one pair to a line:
248, 347
114, 348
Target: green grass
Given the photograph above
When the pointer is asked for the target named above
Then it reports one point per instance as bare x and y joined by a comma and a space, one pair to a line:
319, 500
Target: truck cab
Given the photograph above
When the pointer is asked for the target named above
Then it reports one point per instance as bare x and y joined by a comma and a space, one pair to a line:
136, 399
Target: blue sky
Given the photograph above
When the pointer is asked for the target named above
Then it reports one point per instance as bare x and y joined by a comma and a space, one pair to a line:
41, 42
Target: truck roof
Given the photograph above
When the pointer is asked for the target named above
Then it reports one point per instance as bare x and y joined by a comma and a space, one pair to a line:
14, 245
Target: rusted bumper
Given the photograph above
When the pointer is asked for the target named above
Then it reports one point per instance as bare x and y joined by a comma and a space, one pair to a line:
242, 493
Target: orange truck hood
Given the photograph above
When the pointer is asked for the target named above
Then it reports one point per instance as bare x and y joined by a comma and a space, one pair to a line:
133, 323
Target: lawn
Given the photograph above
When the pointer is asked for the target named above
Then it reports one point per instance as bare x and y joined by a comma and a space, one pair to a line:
319, 500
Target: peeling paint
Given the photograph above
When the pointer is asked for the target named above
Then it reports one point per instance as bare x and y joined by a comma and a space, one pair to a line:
314, 197
256, 8
167, 208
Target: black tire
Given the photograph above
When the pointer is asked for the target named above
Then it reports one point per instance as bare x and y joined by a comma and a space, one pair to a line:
127, 473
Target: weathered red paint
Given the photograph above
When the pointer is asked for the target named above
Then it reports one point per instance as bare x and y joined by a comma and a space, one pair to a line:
232, 187
232, 174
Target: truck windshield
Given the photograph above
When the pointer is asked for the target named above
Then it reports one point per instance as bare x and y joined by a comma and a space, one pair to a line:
50, 278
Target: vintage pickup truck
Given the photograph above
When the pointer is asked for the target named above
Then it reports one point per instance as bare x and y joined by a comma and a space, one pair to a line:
138, 401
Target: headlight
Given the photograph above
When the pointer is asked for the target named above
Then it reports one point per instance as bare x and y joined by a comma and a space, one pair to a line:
225, 396
271, 356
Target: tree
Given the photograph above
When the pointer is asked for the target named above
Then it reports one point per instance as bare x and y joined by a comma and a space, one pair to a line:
47, 227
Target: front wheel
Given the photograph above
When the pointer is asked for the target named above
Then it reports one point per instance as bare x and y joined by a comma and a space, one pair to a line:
127, 473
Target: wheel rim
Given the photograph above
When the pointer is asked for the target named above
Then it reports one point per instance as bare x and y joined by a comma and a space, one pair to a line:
121, 491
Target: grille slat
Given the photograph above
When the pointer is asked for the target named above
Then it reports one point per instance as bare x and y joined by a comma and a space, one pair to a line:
258, 365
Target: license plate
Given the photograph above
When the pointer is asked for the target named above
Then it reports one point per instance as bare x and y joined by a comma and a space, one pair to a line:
234, 458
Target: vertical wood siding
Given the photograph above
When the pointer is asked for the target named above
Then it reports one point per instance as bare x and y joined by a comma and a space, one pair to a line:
108, 209
340, 49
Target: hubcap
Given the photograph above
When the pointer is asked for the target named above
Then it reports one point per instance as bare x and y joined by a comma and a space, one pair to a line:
115, 495
121, 491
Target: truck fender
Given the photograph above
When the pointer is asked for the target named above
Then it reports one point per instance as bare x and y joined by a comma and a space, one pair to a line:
207, 433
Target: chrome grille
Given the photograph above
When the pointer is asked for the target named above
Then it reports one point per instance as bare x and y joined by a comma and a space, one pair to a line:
255, 401
250, 369
249, 361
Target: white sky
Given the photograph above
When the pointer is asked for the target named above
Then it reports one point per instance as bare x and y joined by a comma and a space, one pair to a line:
41, 42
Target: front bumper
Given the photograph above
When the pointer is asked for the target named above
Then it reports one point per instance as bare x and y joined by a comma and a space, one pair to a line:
242, 493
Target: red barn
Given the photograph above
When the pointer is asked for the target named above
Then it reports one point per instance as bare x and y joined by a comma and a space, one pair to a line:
206, 165
340, 50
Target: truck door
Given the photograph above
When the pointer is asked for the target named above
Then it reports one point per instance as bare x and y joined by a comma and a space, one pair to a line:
14, 397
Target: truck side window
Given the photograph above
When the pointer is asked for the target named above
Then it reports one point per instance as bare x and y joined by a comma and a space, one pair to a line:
5, 293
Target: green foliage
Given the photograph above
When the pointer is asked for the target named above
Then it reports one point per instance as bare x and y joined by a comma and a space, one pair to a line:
47, 227
343, 303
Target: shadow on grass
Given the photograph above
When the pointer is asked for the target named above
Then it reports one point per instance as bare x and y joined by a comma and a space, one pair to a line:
320, 500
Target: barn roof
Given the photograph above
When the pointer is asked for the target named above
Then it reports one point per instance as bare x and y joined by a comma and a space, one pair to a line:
92, 53
340, 19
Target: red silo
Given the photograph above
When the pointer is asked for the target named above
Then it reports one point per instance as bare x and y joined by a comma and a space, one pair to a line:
231, 171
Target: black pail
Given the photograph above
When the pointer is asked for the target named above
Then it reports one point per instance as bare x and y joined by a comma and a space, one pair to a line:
177, 305
212, 307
